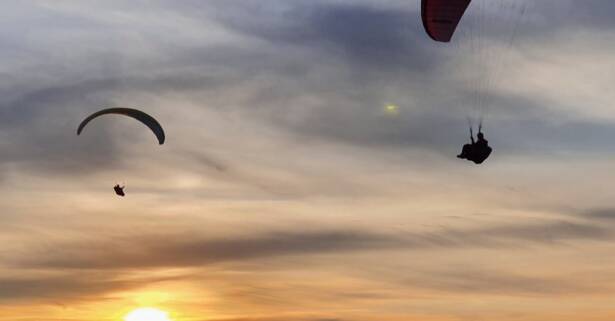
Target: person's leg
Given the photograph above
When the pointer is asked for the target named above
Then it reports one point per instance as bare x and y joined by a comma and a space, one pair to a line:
465, 151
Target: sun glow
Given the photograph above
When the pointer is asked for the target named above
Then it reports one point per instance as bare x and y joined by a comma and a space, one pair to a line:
147, 314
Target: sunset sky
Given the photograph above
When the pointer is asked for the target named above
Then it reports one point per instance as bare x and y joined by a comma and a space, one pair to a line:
309, 172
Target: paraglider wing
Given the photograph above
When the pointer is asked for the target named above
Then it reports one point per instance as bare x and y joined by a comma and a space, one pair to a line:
441, 17
146, 119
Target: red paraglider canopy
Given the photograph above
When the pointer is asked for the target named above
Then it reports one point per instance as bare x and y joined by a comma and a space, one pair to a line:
441, 17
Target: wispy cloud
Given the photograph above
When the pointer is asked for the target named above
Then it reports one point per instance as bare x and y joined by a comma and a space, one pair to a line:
191, 250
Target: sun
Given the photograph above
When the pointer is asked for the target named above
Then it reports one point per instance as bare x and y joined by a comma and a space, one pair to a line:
147, 314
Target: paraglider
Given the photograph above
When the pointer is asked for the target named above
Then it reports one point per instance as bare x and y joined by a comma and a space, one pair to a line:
144, 118
484, 31
119, 190
477, 151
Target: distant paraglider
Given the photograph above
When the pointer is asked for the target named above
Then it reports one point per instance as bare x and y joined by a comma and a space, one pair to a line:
144, 118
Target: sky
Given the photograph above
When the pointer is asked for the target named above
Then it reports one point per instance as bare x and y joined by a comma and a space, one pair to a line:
285, 191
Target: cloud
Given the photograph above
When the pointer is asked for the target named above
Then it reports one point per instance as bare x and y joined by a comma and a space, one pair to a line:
366, 35
600, 215
386, 61
190, 250
73, 286
322, 72
105, 265
176, 251
479, 281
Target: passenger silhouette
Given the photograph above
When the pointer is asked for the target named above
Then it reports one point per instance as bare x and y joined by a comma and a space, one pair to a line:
119, 190
477, 151
481, 141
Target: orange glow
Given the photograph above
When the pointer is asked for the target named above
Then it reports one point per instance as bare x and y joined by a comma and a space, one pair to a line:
147, 314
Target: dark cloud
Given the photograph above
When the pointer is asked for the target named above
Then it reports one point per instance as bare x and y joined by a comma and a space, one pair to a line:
601, 215
545, 232
365, 36
68, 287
469, 281
179, 250
91, 267
383, 57
42, 130
353, 58
41, 124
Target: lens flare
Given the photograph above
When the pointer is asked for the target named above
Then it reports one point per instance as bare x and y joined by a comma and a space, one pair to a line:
391, 109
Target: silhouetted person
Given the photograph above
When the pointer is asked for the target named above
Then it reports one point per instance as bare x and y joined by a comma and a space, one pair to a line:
119, 190
478, 151
481, 139
467, 149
